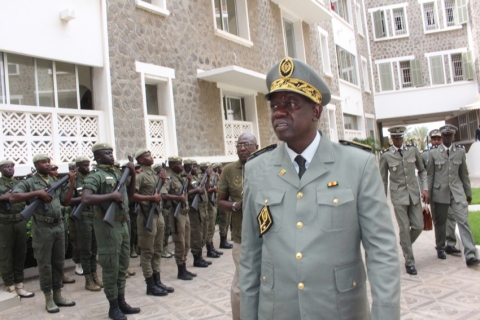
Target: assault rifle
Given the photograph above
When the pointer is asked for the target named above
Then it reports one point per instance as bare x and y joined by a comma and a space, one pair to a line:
180, 204
213, 197
200, 196
8, 205
77, 211
154, 204
28, 211
110, 214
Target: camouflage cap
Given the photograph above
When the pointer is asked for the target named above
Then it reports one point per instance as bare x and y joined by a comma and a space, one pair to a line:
101, 146
397, 131
292, 75
82, 159
40, 156
6, 161
448, 129
435, 133
204, 164
140, 152
190, 161
175, 159
216, 165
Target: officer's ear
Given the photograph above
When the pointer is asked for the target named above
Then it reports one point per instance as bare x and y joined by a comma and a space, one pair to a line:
317, 112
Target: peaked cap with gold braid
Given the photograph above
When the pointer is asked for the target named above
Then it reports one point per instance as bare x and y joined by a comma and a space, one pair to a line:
292, 75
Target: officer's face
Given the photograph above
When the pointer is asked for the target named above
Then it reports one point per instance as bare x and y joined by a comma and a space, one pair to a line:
105, 157
246, 144
83, 167
176, 166
294, 118
7, 170
53, 172
436, 141
43, 166
397, 142
447, 139
145, 159
194, 169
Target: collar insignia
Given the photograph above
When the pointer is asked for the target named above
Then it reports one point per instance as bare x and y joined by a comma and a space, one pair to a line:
265, 220
282, 172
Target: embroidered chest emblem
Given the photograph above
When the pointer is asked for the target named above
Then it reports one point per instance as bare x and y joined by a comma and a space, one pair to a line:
265, 220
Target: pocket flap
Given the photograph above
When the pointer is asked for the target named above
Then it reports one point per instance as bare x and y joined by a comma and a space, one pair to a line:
457, 161
436, 185
439, 163
393, 186
393, 164
267, 275
269, 197
350, 276
334, 196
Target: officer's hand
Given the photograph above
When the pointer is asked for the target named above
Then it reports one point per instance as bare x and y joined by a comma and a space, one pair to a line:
162, 175
157, 197
209, 171
72, 175
130, 166
117, 196
182, 198
239, 205
469, 199
189, 177
199, 190
215, 189
425, 197
45, 196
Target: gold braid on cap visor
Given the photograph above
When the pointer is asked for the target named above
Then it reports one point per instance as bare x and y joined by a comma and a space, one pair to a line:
297, 85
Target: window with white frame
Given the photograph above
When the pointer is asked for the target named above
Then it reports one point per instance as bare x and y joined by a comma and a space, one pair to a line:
2, 80
325, 54
234, 108
293, 36
442, 15
409, 73
366, 84
231, 18
457, 70
449, 6
390, 21
370, 126
405, 74
430, 18
347, 66
350, 121
459, 66
342, 8
289, 38
154, 6
358, 11
437, 70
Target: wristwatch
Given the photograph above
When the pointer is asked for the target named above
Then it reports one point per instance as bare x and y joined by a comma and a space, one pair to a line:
233, 206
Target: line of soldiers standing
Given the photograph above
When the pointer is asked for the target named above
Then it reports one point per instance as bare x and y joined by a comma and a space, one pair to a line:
444, 183
96, 191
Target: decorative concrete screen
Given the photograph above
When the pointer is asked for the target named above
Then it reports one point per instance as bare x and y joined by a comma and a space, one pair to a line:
156, 141
233, 129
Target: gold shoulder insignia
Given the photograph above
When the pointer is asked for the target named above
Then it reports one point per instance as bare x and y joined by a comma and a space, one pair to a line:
460, 146
356, 144
265, 220
262, 151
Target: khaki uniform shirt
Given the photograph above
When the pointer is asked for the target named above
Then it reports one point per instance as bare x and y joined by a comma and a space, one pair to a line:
231, 184
15, 208
103, 181
145, 183
173, 185
79, 182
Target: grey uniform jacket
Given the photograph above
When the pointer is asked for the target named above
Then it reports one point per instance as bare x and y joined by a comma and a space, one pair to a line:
448, 174
403, 182
315, 239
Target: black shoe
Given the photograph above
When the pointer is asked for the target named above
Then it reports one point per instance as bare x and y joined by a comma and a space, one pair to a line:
188, 272
224, 244
215, 250
441, 254
158, 283
182, 273
411, 270
114, 312
153, 290
210, 252
199, 262
472, 262
125, 307
452, 250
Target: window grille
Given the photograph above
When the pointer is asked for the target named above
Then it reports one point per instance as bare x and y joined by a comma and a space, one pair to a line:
429, 16
449, 12
457, 67
406, 74
399, 21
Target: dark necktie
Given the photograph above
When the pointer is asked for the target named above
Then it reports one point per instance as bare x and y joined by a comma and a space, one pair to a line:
401, 152
301, 165
448, 152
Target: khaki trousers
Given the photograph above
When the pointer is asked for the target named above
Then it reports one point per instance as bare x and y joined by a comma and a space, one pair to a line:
150, 243
235, 290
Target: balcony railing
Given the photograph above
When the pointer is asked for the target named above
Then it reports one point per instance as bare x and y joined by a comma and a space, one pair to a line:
232, 130
351, 134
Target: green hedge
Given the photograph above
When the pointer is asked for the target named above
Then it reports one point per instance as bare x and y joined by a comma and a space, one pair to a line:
474, 220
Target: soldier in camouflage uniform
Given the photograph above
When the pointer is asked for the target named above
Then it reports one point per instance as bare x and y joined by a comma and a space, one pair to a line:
113, 242
150, 242
165, 210
13, 230
48, 234
401, 161
87, 243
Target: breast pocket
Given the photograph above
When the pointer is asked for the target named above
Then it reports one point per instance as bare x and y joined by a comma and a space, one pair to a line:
273, 198
439, 165
336, 208
393, 166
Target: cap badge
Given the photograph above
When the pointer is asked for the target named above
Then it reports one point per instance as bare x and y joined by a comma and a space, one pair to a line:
398, 130
265, 220
439, 166
286, 67
394, 169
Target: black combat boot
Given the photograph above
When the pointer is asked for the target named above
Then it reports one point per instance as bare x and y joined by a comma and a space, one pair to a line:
114, 311
199, 262
188, 272
224, 244
182, 274
213, 247
158, 283
125, 307
211, 252
153, 290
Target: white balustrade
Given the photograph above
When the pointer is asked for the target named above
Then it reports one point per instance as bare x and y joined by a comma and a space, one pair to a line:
351, 134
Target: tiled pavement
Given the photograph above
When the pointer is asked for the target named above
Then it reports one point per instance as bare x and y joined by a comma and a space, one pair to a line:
442, 290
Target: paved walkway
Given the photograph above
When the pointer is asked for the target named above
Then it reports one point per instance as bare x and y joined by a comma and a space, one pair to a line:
443, 289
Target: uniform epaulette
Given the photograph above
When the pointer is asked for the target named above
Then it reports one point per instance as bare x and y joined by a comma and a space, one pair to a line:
262, 151
434, 147
362, 146
411, 145
460, 146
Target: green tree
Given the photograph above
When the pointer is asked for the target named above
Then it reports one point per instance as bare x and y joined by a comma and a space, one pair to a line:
417, 135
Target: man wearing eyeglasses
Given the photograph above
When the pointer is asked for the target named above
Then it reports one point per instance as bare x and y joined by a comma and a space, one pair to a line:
230, 198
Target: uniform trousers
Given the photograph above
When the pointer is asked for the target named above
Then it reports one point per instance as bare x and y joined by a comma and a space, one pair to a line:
166, 233
212, 217
198, 228
410, 226
87, 244
13, 250
113, 255
451, 223
72, 237
460, 212
224, 223
150, 243
235, 290
133, 230
48, 243
180, 235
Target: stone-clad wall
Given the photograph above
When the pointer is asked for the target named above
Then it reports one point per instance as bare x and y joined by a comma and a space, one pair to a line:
416, 44
474, 11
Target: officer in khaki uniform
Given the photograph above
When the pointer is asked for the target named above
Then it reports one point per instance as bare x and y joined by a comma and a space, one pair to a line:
87, 242
400, 161
165, 212
150, 242
180, 224
449, 184
436, 140
48, 234
113, 242
13, 230
309, 204
225, 217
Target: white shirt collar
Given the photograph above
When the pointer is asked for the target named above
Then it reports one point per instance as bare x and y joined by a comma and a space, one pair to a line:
446, 147
308, 153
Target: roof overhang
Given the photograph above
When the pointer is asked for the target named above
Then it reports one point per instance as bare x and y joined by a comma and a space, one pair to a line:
236, 76
472, 106
310, 11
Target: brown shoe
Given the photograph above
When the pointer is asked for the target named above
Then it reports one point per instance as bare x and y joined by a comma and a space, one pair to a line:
96, 279
131, 273
90, 285
66, 279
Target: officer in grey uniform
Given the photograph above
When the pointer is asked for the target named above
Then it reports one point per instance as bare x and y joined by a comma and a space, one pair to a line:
449, 184
401, 161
